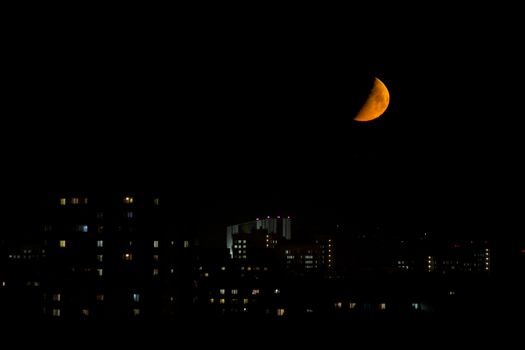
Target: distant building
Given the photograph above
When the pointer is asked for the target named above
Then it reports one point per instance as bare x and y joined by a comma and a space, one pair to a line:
280, 226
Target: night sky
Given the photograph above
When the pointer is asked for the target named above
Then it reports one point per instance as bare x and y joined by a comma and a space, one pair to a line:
240, 125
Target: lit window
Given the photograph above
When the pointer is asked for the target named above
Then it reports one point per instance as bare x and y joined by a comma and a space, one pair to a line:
352, 305
100, 229
128, 200
127, 257
155, 244
3, 284
206, 274
255, 292
62, 243
100, 215
56, 297
136, 297
100, 257
338, 305
100, 272
100, 243
277, 291
85, 201
56, 312
223, 268
415, 306
85, 312
245, 301
222, 301
172, 242
156, 257
280, 312
75, 200
222, 291
129, 215
136, 312
186, 244
100, 297
212, 300
155, 272
172, 270
235, 291
62, 201
382, 306
156, 201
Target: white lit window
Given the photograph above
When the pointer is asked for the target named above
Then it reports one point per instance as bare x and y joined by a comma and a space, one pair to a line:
277, 291
85, 312
155, 244
82, 228
62, 201
338, 305
172, 270
100, 243
136, 297
156, 201
3, 284
415, 306
100, 257
56, 312
382, 306
128, 200
212, 300
136, 312
352, 305
235, 291
186, 244
56, 297
280, 312
100, 272
155, 272
75, 200
223, 268
222, 291
255, 292
100, 297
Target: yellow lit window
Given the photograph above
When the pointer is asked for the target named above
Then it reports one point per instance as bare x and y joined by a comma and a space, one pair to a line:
62, 243
127, 257
352, 305
75, 200
222, 301
62, 201
245, 301
186, 244
280, 312
136, 312
382, 306
56, 312
128, 200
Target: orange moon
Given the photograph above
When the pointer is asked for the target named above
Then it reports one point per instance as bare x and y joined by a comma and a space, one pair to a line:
376, 103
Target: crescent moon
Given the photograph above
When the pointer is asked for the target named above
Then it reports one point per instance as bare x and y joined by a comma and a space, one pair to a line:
376, 103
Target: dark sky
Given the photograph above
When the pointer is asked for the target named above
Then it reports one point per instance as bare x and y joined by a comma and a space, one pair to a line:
243, 123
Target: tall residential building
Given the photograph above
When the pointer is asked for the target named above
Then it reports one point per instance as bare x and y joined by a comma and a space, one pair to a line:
113, 257
282, 226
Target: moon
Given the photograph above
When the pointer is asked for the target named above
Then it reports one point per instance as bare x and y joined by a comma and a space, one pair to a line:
376, 103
